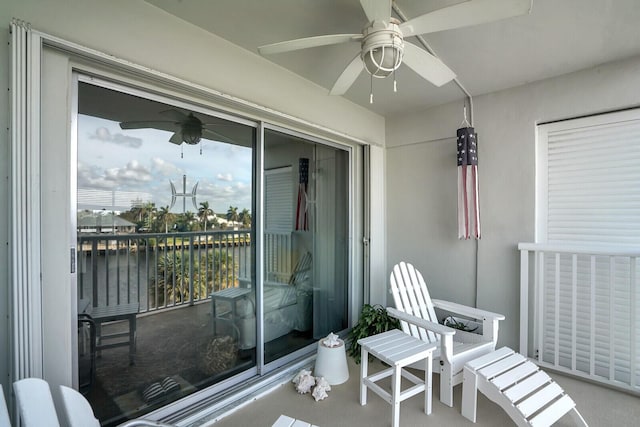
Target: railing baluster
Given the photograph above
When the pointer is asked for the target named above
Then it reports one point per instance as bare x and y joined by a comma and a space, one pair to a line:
191, 262
541, 316
556, 337
632, 321
94, 273
117, 253
574, 308
592, 341
106, 270
129, 272
612, 351
524, 301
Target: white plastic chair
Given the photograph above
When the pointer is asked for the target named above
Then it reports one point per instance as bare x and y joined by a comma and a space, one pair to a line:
35, 403
79, 413
457, 347
4, 412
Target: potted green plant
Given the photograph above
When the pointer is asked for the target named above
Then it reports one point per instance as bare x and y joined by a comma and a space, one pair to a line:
374, 319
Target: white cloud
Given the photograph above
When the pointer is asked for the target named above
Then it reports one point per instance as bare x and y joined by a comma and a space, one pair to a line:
225, 177
103, 134
164, 168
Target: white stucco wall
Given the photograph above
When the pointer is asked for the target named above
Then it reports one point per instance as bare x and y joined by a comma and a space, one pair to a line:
421, 183
138, 32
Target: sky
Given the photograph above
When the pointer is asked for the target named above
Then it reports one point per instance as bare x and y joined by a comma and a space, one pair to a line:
117, 167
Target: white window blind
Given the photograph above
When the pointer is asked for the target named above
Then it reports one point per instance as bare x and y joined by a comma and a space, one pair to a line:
588, 196
589, 180
278, 223
279, 199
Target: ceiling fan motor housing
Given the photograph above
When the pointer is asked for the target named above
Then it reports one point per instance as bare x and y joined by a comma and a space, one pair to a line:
382, 49
191, 130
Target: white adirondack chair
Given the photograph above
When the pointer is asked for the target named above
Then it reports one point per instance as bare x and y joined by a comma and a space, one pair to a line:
35, 403
79, 413
457, 347
4, 412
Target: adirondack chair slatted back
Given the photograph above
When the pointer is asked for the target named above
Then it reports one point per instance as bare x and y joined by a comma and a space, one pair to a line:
410, 295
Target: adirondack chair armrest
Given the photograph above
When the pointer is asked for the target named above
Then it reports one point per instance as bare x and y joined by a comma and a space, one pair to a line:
489, 319
446, 333
465, 310
421, 323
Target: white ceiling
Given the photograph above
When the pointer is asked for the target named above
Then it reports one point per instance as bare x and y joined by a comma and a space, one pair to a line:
558, 37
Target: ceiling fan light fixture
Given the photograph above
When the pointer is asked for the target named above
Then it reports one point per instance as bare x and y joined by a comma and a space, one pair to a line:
191, 136
382, 50
380, 62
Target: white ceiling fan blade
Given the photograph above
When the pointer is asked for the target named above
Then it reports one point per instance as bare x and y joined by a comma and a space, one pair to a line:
465, 14
348, 76
308, 42
176, 138
426, 65
144, 124
377, 10
176, 115
216, 136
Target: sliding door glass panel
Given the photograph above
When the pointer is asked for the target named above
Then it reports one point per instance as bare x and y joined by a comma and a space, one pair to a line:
305, 242
164, 203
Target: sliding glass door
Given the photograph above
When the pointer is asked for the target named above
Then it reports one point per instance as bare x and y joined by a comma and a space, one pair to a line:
306, 195
164, 242
169, 226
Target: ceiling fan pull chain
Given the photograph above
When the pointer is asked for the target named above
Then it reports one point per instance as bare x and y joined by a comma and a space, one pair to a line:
371, 90
181, 151
200, 144
395, 83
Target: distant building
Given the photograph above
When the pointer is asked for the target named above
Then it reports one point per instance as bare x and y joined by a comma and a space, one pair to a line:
108, 223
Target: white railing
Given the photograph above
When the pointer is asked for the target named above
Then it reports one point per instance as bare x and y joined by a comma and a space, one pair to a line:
278, 256
579, 311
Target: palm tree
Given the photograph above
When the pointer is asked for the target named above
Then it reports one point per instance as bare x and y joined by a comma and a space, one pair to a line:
149, 212
232, 214
245, 218
177, 271
204, 212
165, 217
189, 217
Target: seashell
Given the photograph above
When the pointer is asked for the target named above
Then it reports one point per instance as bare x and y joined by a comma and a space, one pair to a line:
321, 382
332, 340
305, 383
302, 373
319, 393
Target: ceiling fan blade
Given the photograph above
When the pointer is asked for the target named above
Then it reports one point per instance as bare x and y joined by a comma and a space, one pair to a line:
464, 14
377, 10
426, 65
177, 138
143, 124
308, 42
216, 136
348, 76
176, 115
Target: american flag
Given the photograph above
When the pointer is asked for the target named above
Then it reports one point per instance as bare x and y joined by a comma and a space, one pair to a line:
302, 222
468, 208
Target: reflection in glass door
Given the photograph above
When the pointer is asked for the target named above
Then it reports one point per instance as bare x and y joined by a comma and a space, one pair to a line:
164, 216
305, 242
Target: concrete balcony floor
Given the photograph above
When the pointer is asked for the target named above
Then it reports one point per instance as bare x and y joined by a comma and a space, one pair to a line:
600, 406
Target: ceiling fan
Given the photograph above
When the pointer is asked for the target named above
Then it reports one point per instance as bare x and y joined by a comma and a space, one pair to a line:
187, 128
383, 45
